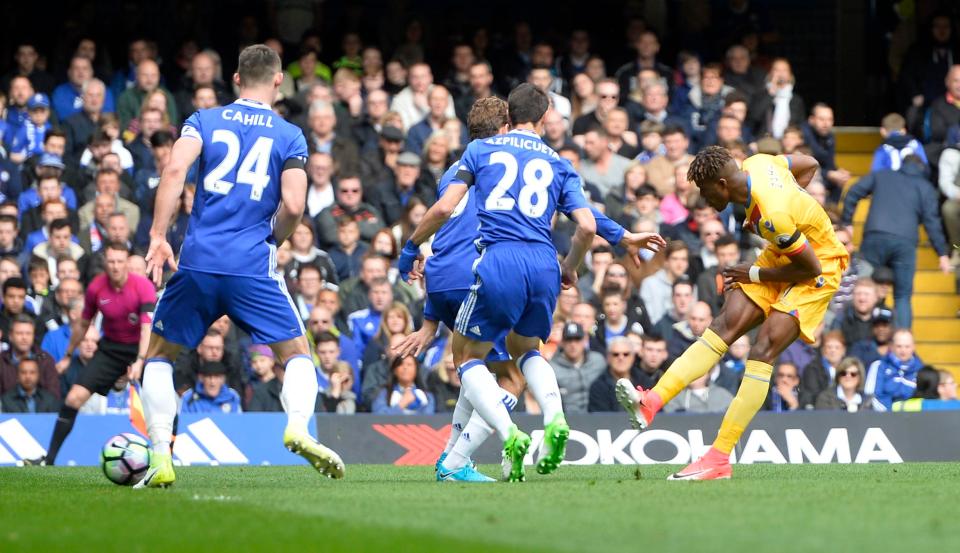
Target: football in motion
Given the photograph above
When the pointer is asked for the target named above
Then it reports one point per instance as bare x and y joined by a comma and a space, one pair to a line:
125, 459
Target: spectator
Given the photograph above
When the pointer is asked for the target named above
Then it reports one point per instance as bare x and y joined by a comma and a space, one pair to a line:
647, 46
871, 349
653, 360
727, 253
653, 107
350, 204
901, 200
855, 321
777, 106
926, 62
793, 139
323, 137
822, 371
439, 102
309, 284
367, 128
336, 376
608, 97
320, 193
412, 102
10, 243
481, 86
396, 320
212, 349
541, 76
897, 144
108, 182
818, 135
304, 252
49, 188
705, 102
56, 333
657, 289
147, 81
28, 139
262, 360
458, 77
366, 322
68, 97
741, 75
846, 394
784, 395
661, 171
266, 396
700, 397
942, 114
620, 363
894, 376
349, 252
602, 167
857, 268
622, 141
59, 245
28, 65
211, 394
949, 181
583, 97
577, 368
585, 315
27, 396
404, 183
92, 236
555, 131
20, 336
401, 396
681, 301
687, 331
444, 383
614, 319
377, 165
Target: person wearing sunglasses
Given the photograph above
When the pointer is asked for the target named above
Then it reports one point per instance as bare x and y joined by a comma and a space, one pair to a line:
847, 394
784, 394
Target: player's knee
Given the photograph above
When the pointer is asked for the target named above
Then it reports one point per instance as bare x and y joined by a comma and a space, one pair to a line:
764, 351
76, 397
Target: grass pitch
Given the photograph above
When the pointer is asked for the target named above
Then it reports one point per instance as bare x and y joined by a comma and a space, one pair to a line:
909, 507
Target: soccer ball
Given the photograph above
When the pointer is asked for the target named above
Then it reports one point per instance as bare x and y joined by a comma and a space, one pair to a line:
125, 459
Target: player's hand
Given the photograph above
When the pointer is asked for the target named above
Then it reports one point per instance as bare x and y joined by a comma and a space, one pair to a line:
408, 255
418, 265
134, 370
413, 344
736, 273
407, 398
63, 364
636, 241
568, 276
159, 254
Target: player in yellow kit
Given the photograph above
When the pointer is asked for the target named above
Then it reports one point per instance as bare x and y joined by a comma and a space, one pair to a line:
787, 290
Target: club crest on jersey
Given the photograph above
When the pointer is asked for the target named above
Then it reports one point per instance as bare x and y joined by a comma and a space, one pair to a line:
820, 282
768, 224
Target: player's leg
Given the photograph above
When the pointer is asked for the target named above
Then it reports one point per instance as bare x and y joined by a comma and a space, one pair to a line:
108, 364
740, 313
777, 332
262, 307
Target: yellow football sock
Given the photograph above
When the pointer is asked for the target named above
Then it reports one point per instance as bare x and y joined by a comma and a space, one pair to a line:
750, 397
699, 358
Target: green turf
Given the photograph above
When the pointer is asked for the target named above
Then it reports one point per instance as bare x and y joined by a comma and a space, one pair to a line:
810, 508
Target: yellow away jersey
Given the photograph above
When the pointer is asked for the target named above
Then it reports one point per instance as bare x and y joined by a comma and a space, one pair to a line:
782, 212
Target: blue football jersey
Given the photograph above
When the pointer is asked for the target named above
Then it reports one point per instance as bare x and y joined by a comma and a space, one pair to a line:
519, 182
455, 246
246, 147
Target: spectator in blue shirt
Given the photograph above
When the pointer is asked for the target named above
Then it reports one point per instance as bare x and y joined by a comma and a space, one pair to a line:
68, 97
894, 376
897, 144
401, 396
365, 323
347, 254
28, 139
211, 393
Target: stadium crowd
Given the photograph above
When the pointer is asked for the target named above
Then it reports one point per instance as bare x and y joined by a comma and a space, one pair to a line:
83, 152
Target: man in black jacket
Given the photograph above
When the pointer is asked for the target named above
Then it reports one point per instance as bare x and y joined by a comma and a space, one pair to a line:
28, 396
902, 200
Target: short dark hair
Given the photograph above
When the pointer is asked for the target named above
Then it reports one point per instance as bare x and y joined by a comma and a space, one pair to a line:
486, 117
99, 136
733, 98
725, 240
14, 282
527, 104
117, 246
674, 129
58, 224
708, 164
326, 337
675, 246
652, 338
22, 318
161, 138
257, 65
646, 190
54, 133
9, 219
611, 290
602, 249
681, 281
571, 149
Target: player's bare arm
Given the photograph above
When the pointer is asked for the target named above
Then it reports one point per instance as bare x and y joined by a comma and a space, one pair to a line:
293, 191
582, 239
633, 242
417, 341
803, 167
803, 266
185, 152
439, 213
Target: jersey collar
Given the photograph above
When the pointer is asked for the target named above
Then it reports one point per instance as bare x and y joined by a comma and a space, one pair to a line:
531, 134
252, 104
